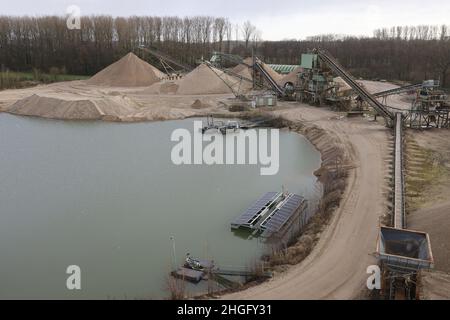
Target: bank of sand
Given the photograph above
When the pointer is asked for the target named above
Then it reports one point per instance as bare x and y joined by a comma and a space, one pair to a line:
127, 90
79, 101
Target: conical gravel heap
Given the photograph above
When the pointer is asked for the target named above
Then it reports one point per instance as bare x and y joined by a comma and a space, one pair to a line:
130, 71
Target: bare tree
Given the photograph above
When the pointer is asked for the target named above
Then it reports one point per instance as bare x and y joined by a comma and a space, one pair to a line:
247, 32
220, 30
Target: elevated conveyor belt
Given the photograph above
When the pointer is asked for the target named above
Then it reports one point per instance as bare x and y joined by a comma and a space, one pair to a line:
363, 93
229, 72
279, 90
399, 183
230, 57
397, 90
166, 58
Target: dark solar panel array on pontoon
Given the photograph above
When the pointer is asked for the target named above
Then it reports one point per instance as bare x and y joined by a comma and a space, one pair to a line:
283, 214
255, 208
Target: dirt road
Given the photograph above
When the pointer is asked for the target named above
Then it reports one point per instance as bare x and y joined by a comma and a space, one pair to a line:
400, 101
336, 269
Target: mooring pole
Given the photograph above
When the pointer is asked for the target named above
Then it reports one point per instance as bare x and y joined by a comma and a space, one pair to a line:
174, 253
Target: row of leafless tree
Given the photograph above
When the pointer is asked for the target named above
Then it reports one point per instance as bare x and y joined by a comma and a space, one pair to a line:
392, 58
409, 53
421, 32
45, 42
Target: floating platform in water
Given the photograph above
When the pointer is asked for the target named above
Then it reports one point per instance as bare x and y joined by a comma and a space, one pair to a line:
249, 218
187, 274
289, 208
273, 214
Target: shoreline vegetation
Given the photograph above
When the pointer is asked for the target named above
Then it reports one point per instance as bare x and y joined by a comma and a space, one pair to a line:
21, 80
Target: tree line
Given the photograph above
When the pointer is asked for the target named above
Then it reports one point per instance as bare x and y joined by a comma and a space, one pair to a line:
407, 53
46, 42
372, 58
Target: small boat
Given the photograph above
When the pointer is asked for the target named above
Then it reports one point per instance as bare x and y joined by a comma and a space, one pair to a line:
197, 264
193, 264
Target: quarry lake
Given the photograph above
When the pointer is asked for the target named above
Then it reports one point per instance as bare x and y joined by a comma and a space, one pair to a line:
107, 198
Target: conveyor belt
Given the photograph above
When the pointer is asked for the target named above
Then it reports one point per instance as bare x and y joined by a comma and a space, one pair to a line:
166, 58
399, 183
399, 90
339, 70
280, 91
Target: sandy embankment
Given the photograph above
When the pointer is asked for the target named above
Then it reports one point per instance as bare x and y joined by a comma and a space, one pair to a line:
433, 285
336, 268
128, 90
428, 189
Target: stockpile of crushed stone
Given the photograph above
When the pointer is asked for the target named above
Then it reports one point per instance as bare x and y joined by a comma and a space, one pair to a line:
112, 108
243, 71
130, 71
343, 86
290, 77
204, 80
169, 87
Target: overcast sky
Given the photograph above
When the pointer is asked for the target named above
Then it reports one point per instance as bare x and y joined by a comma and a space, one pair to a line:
276, 19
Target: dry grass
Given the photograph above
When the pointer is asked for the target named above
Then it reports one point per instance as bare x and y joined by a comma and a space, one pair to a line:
333, 176
425, 168
176, 288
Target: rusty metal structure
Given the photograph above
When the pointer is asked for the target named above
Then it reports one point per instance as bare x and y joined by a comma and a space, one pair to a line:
402, 254
431, 107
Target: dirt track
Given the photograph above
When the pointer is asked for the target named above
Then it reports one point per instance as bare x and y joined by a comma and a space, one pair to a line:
336, 269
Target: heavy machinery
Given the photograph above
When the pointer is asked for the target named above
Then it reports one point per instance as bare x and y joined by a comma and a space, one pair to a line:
260, 70
359, 89
430, 108
315, 82
318, 84
322, 80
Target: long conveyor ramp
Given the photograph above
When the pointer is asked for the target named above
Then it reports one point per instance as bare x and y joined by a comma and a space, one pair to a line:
395, 120
399, 90
166, 58
371, 100
269, 79
399, 180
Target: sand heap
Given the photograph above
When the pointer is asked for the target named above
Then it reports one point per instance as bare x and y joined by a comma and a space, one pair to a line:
168, 87
343, 86
203, 80
130, 71
243, 70
290, 77
158, 73
106, 108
